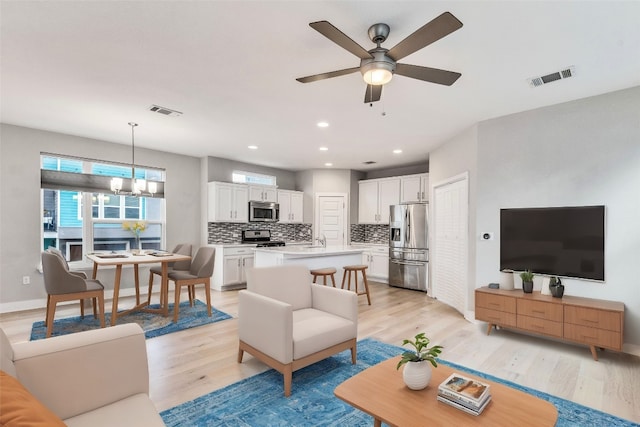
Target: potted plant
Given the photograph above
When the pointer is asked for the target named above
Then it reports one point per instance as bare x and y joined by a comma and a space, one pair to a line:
556, 287
417, 372
527, 281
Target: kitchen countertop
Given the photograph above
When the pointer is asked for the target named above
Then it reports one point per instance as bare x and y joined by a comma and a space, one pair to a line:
312, 251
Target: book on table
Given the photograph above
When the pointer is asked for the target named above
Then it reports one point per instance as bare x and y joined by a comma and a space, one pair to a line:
464, 408
465, 391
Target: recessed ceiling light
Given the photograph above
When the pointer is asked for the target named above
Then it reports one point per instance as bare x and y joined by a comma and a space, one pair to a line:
323, 124
397, 151
252, 147
323, 149
328, 164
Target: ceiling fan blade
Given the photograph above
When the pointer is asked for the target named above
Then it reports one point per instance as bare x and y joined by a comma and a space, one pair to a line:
340, 38
432, 31
372, 93
433, 75
328, 75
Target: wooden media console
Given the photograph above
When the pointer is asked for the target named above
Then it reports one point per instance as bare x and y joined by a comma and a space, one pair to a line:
592, 322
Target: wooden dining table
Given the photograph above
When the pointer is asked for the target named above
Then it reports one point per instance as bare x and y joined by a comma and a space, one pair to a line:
120, 259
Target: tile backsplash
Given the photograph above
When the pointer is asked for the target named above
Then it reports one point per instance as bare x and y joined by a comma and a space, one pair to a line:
370, 233
229, 232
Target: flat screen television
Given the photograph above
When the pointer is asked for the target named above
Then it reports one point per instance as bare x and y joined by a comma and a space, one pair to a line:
558, 241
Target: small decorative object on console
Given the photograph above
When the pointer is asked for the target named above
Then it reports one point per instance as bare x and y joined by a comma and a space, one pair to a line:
417, 372
527, 281
464, 393
556, 287
494, 285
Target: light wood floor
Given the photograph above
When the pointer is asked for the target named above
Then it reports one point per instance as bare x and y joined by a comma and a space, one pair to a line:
191, 363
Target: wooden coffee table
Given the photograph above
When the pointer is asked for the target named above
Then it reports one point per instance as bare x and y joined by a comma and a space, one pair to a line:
380, 392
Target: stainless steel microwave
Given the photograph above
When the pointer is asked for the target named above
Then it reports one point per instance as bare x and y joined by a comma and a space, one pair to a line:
263, 211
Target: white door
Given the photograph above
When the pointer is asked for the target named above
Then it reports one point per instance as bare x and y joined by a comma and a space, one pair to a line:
449, 243
331, 219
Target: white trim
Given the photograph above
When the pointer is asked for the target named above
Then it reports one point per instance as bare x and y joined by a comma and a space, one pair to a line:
10, 307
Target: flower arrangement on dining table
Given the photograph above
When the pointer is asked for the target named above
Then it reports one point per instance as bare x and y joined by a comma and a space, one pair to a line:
136, 227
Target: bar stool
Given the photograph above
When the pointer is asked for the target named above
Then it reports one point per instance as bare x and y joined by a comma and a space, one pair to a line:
324, 272
355, 268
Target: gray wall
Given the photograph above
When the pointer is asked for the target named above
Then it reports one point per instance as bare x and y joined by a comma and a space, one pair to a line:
20, 243
222, 170
399, 171
585, 152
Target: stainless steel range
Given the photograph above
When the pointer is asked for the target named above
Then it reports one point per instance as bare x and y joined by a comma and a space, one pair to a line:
262, 238
408, 246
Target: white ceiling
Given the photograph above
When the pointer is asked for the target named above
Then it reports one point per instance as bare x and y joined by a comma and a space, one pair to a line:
87, 68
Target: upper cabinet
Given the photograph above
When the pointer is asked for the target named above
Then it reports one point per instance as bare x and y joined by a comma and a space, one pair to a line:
291, 206
374, 198
263, 193
228, 202
414, 188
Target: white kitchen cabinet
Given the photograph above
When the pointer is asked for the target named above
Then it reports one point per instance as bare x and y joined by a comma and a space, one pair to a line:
228, 202
374, 198
230, 265
291, 206
263, 193
414, 188
377, 259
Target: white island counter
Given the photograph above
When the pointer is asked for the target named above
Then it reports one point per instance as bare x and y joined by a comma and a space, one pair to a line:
312, 257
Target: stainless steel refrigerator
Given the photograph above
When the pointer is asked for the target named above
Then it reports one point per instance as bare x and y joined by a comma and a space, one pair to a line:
408, 246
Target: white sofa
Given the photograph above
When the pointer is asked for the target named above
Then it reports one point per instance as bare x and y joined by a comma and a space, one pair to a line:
288, 323
94, 378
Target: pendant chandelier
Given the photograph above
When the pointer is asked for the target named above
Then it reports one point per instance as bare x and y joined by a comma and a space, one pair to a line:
138, 186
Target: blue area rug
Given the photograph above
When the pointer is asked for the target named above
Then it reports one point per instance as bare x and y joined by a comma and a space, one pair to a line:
153, 325
259, 400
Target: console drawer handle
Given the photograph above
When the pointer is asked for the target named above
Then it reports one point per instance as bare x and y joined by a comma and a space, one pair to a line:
589, 320
539, 311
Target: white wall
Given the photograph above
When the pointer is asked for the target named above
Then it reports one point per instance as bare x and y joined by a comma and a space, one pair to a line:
585, 152
457, 156
20, 243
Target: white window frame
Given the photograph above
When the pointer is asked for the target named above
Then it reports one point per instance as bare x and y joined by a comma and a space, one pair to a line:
85, 210
242, 177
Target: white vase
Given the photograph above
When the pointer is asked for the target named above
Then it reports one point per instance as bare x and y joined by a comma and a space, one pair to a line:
416, 375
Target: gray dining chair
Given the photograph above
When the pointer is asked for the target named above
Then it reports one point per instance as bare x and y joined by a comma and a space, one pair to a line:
199, 274
64, 285
181, 249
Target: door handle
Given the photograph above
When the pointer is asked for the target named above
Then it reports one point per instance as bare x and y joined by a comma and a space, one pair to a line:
409, 263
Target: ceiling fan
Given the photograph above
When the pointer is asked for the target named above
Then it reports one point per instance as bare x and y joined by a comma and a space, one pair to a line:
378, 65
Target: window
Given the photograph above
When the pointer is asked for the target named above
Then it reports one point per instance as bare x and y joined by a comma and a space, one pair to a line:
78, 222
240, 177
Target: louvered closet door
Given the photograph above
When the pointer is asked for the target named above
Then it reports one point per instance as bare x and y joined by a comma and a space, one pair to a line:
449, 250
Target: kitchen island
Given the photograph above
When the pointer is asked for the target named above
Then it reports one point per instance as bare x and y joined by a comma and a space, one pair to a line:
310, 256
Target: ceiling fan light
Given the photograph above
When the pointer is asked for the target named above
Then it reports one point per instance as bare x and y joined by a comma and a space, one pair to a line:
377, 77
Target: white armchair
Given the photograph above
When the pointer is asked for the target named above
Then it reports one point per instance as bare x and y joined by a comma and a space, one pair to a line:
288, 323
95, 378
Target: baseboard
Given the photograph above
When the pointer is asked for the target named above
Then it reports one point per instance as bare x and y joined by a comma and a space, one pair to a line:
34, 304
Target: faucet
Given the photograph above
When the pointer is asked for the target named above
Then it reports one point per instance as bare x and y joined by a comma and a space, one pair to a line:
322, 240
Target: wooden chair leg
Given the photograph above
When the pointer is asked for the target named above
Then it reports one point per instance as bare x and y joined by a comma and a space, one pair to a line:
366, 286
95, 308
207, 290
333, 280
82, 309
344, 279
46, 314
288, 377
101, 303
191, 290
353, 354
240, 354
314, 278
176, 306
51, 312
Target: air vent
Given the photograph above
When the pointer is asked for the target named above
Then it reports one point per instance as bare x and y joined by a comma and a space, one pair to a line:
369, 162
558, 75
166, 111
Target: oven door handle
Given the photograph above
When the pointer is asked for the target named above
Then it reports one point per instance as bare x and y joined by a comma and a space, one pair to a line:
409, 263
